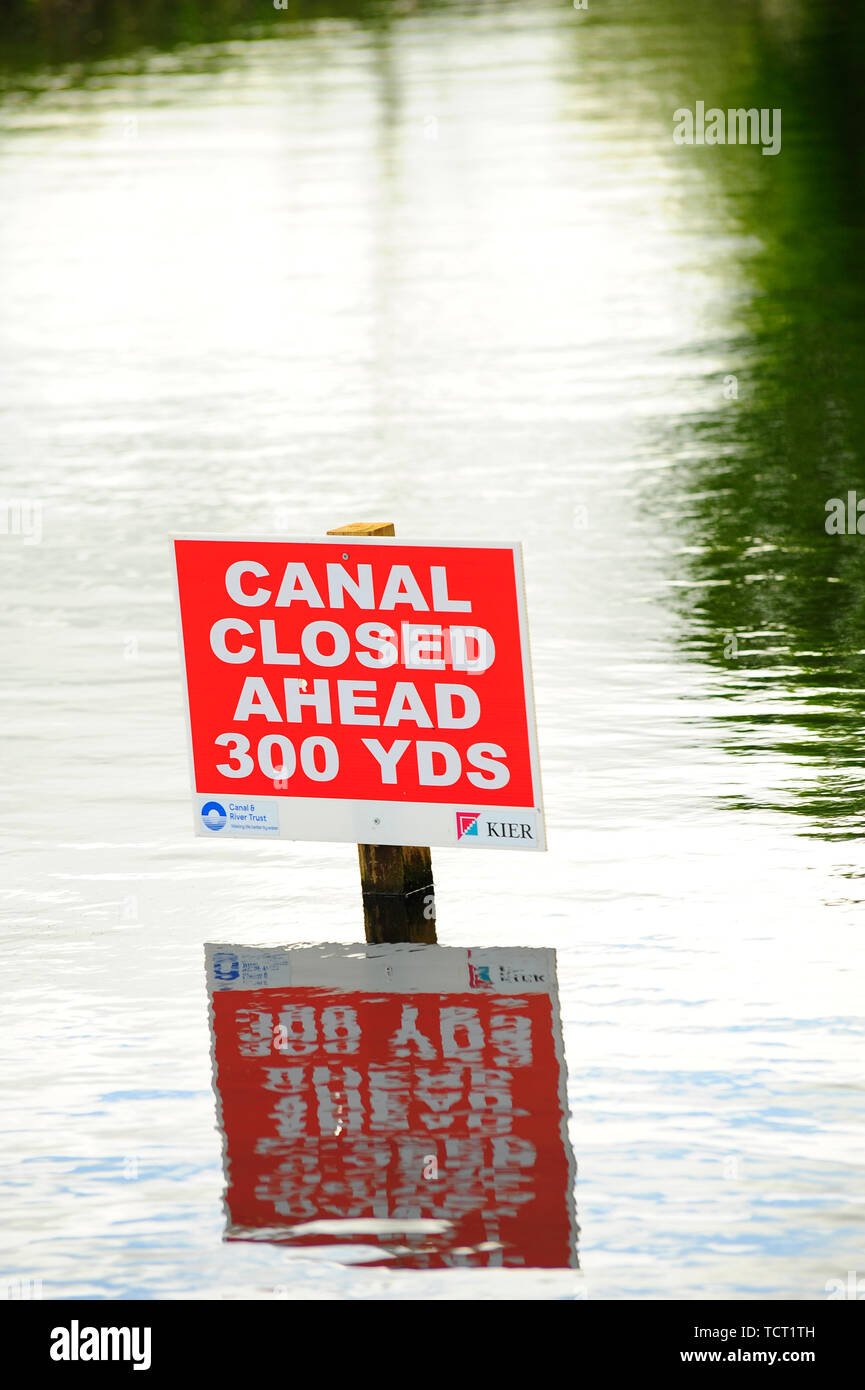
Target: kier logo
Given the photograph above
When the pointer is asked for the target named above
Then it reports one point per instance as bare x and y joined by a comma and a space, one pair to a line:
506, 977
485, 828
467, 823
480, 977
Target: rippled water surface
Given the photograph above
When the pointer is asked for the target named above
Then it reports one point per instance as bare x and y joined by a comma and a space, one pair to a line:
448, 269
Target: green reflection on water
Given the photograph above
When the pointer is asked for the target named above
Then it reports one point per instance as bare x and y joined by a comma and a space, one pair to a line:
775, 604
80, 43
37, 33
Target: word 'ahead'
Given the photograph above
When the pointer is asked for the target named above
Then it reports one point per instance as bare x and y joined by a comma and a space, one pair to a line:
361, 689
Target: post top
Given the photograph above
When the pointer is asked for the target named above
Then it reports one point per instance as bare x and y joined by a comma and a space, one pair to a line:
365, 528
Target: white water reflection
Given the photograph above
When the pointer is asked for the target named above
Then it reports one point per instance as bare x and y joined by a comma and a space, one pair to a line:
256, 288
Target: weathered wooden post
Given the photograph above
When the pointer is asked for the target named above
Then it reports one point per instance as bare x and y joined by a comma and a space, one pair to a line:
396, 880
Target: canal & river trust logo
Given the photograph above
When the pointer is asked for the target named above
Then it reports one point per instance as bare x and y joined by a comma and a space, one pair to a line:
213, 815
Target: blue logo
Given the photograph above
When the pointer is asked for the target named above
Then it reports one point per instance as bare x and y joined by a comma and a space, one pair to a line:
226, 965
213, 815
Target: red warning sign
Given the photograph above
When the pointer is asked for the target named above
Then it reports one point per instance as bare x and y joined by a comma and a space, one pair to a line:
360, 688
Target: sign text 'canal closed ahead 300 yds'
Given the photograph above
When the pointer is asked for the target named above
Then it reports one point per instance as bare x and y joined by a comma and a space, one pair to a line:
364, 689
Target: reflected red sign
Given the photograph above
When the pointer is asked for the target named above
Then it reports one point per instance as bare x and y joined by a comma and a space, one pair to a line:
423, 1121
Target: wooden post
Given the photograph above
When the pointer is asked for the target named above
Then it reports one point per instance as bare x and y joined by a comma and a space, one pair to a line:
396, 880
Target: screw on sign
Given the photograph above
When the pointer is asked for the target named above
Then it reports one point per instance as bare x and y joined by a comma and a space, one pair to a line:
361, 688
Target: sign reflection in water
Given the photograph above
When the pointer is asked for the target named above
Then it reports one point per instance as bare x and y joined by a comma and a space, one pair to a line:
408, 1099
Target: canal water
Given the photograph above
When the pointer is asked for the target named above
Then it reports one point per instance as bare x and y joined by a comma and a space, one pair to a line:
445, 265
